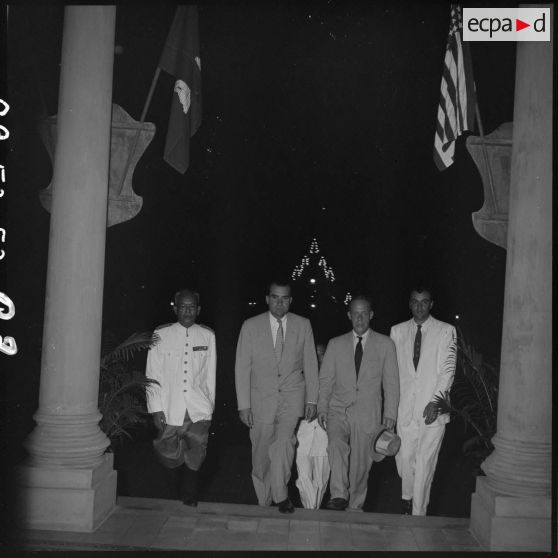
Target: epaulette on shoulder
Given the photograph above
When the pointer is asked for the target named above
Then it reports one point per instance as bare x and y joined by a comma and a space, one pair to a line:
206, 327
162, 326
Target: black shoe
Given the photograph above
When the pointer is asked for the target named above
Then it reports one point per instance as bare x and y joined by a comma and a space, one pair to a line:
406, 507
189, 493
286, 506
338, 504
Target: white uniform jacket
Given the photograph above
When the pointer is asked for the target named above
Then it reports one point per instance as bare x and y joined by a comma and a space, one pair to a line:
184, 361
435, 370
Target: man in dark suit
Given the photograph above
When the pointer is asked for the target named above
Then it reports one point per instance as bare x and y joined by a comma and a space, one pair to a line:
274, 348
356, 367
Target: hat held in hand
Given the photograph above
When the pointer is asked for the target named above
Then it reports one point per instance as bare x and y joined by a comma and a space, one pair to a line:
386, 442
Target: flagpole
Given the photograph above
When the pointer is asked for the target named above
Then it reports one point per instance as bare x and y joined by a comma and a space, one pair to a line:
143, 114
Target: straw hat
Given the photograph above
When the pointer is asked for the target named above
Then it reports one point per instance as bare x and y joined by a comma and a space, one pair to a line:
385, 443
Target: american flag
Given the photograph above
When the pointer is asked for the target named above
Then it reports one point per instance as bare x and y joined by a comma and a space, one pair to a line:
456, 111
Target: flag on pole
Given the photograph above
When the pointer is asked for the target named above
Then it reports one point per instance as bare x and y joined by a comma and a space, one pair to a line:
456, 111
181, 58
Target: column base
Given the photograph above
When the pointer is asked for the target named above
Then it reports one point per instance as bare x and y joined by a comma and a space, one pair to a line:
68, 499
501, 522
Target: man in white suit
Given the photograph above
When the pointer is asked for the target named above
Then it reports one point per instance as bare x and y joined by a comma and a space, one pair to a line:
184, 363
276, 375
426, 355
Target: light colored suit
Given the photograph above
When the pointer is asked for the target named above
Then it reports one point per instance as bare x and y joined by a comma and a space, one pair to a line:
420, 443
276, 392
354, 409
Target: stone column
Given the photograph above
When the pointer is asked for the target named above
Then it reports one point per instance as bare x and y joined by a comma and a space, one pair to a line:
511, 507
69, 482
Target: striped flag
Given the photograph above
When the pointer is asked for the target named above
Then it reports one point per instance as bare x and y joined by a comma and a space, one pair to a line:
181, 58
456, 111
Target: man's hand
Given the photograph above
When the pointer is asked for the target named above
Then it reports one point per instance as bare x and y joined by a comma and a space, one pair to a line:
246, 417
159, 420
430, 413
322, 420
310, 411
389, 423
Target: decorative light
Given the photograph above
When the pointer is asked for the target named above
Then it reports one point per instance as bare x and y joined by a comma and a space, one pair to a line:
457, 317
348, 298
314, 249
312, 305
312, 281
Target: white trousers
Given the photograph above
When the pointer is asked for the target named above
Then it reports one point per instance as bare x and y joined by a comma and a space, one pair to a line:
416, 462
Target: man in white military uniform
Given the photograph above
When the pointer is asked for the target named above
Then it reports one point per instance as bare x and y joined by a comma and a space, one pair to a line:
426, 356
184, 363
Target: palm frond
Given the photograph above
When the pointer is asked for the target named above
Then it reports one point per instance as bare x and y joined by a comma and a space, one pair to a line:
451, 358
136, 342
122, 392
474, 397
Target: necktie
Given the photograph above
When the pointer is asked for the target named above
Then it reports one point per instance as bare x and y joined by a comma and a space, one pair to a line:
279, 342
358, 354
416, 350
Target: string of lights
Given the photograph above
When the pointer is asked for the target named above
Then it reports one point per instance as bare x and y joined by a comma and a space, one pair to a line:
327, 270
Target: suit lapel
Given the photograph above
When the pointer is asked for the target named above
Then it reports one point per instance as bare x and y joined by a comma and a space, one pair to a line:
349, 347
369, 348
266, 329
290, 337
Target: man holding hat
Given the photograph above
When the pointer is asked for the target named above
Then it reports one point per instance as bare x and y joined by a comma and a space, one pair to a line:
426, 353
183, 362
356, 366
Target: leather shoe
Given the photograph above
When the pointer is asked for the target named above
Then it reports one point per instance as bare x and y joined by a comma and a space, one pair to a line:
338, 504
286, 506
406, 507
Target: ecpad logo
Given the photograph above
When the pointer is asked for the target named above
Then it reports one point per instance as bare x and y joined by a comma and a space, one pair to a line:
506, 24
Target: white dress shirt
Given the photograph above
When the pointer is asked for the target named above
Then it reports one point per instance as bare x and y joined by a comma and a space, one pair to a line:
275, 326
364, 338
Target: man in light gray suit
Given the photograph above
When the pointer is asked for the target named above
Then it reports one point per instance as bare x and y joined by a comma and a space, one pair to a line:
356, 367
276, 376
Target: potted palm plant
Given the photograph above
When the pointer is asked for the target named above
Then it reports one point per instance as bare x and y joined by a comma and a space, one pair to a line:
473, 398
121, 387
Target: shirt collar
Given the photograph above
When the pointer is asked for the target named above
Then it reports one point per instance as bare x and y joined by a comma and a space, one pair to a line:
364, 335
424, 325
273, 319
193, 326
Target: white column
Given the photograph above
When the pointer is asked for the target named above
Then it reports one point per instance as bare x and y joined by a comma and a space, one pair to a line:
69, 481
511, 507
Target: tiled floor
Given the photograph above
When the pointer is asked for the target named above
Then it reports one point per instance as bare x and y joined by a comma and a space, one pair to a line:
150, 524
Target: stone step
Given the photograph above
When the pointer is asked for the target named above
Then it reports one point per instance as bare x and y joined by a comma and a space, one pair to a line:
176, 508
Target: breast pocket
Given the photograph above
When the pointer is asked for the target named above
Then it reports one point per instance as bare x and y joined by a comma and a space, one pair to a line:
200, 357
173, 360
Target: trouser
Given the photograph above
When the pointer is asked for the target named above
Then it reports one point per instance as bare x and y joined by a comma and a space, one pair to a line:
183, 449
350, 459
273, 449
416, 462
313, 474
